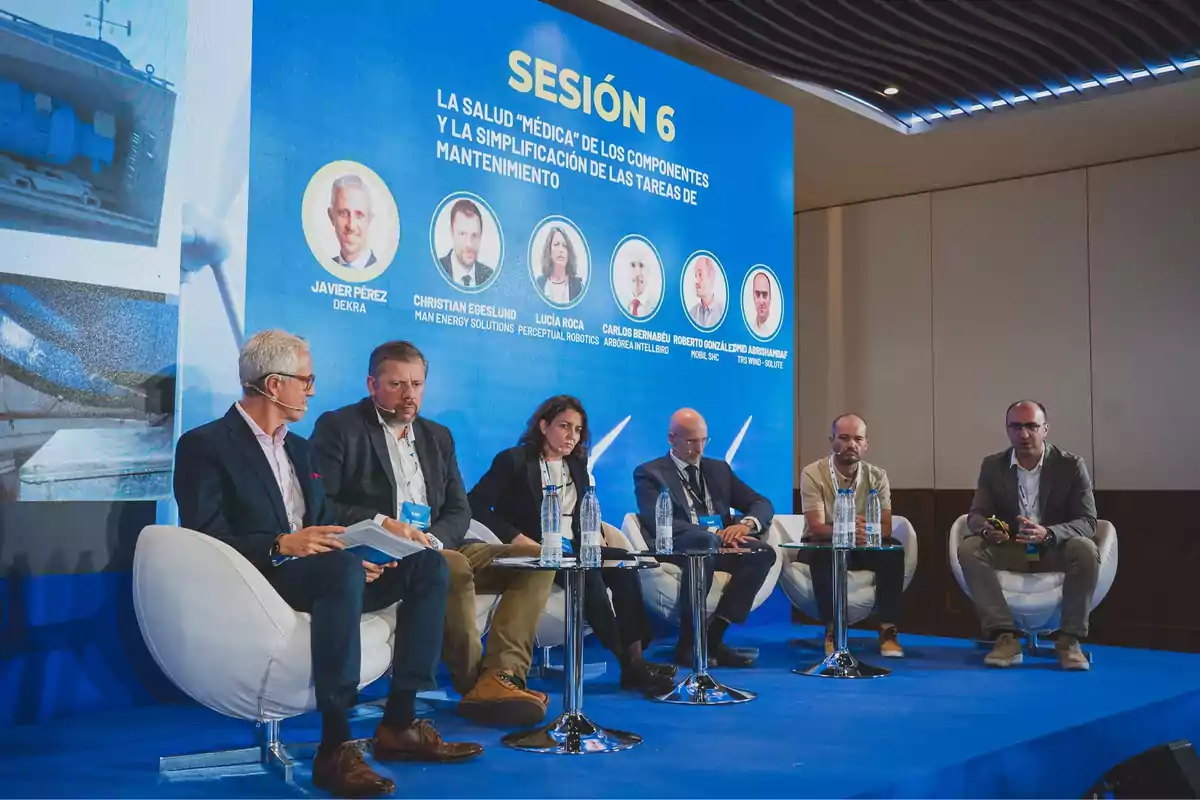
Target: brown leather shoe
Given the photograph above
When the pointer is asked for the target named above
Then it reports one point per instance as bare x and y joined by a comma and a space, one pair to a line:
498, 699
889, 642
342, 772
419, 742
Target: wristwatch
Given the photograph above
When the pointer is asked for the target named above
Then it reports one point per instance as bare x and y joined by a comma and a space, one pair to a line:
275, 546
1051, 540
751, 523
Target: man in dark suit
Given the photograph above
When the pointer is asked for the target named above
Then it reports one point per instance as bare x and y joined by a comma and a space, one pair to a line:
704, 492
466, 233
377, 457
1043, 496
259, 493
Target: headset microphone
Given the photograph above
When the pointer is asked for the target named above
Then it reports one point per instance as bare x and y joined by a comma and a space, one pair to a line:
276, 402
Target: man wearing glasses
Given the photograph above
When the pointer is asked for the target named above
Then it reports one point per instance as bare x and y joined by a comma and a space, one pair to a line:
246, 480
1033, 511
704, 493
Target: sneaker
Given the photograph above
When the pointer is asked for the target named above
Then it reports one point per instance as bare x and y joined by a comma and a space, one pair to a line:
829, 644
889, 642
498, 699
1070, 655
1005, 652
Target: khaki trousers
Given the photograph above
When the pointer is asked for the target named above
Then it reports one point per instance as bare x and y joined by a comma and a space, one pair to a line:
522, 598
1077, 557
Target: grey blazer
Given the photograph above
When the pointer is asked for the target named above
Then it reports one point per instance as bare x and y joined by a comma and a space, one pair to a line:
1066, 505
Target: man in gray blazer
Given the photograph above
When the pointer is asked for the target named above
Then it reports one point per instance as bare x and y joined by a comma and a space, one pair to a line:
1033, 511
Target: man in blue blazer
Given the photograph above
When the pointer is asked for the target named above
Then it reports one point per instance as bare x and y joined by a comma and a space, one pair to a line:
257, 492
704, 492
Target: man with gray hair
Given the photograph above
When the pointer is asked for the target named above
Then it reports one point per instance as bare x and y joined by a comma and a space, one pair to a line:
351, 215
246, 480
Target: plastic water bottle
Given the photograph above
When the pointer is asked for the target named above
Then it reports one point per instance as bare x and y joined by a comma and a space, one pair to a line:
874, 519
589, 528
843, 519
664, 517
551, 529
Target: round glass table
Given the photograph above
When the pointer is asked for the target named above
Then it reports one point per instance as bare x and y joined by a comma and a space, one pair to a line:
841, 663
699, 688
572, 733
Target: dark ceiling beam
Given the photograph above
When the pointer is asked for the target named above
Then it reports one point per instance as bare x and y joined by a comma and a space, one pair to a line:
931, 45
1130, 21
1042, 66
722, 41
1188, 11
944, 75
1100, 56
1170, 27
838, 51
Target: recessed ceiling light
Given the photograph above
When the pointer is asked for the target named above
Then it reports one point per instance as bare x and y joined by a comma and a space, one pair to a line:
891, 90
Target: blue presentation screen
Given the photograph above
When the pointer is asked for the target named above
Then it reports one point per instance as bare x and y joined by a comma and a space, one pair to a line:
542, 207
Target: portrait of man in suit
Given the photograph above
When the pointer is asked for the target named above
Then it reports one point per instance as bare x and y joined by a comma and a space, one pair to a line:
709, 309
461, 263
636, 276
351, 215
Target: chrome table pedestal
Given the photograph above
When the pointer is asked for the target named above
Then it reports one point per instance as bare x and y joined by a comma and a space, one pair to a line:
572, 733
700, 688
841, 663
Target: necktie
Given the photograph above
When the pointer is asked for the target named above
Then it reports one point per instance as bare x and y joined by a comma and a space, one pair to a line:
693, 475
634, 306
466, 280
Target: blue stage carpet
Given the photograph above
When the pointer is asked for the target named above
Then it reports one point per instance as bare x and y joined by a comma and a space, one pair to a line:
940, 726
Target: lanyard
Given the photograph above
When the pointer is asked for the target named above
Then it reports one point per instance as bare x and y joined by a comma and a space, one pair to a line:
833, 476
565, 475
405, 452
1027, 509
701, 500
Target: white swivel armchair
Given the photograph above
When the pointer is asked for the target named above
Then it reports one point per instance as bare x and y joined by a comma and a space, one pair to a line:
1036, 598
661, 586
796, 577
224, 636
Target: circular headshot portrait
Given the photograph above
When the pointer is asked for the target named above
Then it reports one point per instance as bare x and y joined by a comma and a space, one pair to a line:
467, 242
704, 290
350, 221
637, 278
762, 303
560, 263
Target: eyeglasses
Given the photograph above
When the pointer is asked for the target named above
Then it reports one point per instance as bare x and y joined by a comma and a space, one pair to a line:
306, 380
1032, 427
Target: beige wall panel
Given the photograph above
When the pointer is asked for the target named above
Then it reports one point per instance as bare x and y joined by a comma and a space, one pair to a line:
1145, 263
1010, 316
888, 334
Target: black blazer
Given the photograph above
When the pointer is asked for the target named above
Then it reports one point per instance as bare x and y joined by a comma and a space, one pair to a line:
574, 286
508, 498
483, 273
725, 488
352, 457
225, 487
1066, 505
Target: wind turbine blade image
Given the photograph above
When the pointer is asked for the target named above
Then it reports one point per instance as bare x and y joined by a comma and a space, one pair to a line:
604, 442
737, 440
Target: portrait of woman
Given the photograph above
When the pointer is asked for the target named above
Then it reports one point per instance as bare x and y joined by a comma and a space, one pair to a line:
508, 500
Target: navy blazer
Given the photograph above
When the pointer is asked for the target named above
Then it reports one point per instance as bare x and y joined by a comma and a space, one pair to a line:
352, 457
725, 489
225, 487
508, 498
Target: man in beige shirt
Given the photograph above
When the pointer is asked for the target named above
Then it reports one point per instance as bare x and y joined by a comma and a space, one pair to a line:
844, 468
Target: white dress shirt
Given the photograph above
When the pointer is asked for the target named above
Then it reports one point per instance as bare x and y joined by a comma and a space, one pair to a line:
406, 470
1029, 483
362, 262
281, 468
694, 512
460, 272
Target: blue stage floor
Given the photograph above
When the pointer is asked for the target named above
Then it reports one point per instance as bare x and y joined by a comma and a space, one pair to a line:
940, 726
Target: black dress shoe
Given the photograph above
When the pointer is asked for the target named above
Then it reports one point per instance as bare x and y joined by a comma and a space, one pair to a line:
663, 669
725, 656
641, 677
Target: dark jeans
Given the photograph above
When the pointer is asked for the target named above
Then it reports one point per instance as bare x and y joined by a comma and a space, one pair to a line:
746, 576
888, 566
623, 622
332, 588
